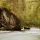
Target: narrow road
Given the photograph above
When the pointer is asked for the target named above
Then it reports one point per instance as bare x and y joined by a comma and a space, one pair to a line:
32, 34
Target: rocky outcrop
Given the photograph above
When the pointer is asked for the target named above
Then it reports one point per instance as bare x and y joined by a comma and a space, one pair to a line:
8, 20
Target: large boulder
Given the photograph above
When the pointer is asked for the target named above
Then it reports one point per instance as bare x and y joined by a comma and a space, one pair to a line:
8, 20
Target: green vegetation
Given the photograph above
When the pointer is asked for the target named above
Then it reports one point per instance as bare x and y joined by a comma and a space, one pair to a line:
27, 11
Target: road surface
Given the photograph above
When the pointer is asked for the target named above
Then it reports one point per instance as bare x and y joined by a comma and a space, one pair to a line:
32, 34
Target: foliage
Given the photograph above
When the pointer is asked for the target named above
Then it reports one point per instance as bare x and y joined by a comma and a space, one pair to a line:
27, 11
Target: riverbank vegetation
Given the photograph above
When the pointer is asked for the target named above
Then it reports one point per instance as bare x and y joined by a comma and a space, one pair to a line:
28, 12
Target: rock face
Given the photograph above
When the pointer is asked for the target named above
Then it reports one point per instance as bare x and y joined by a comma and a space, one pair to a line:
8, 20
